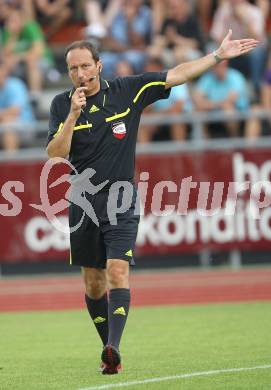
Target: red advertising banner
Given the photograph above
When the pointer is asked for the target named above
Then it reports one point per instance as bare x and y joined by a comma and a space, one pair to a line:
191, 201
199, 218
26, 233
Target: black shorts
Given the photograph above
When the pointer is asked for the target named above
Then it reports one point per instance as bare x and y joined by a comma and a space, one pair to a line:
92, 245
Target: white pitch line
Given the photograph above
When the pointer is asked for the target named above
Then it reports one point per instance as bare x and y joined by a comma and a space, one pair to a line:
173, 377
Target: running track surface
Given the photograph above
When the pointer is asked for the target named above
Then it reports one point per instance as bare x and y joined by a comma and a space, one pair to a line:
149, 288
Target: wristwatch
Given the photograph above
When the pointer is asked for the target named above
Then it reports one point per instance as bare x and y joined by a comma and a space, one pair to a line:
217, 58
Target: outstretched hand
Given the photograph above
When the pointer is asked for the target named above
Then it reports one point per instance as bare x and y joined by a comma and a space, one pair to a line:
234, 48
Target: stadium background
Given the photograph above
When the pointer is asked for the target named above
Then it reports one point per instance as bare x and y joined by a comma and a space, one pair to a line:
30, 244
201, 289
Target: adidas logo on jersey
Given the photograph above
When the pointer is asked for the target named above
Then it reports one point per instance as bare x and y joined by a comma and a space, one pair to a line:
93, 108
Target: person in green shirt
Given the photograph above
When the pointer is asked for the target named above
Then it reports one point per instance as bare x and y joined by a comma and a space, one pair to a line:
25, 50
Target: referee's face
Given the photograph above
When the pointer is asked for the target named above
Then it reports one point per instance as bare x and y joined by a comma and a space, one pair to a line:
83, 70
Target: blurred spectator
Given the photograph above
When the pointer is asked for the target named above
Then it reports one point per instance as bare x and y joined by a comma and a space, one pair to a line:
128, 37
52, 13
245, 20
4, 12
222, 89
180, 39
99, 15
25, 51
178, 102
7, 6
205, 10
15, 110
256, 127
263, 5
159, 8
124, 69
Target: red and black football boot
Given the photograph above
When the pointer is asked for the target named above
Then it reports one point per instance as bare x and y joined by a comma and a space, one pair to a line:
111, 360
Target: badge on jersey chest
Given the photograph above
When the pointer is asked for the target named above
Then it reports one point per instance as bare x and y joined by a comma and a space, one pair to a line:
119, 130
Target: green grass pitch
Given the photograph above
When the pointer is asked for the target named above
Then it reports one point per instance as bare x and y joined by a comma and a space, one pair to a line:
60, 350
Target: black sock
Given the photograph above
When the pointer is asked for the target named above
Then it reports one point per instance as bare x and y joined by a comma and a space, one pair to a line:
118, 308
98, 311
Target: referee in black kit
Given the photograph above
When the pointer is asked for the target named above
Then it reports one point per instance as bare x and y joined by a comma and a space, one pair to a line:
96, 125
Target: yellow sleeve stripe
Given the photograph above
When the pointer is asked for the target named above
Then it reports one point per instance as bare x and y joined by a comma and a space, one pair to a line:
121, 115
147, 86
86, 126
59, 129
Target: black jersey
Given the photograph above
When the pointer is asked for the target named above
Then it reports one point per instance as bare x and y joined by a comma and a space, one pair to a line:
105, 134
